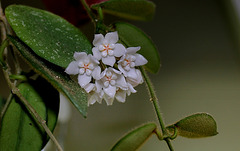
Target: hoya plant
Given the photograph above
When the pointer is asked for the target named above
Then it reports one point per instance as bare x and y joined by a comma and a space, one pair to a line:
63, 61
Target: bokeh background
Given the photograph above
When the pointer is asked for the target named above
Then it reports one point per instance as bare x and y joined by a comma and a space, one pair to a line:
199, 50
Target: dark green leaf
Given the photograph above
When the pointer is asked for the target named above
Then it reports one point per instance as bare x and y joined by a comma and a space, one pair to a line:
129, 9
56, 76
133, 37
196, 126
48, 35
19, 131
134, 139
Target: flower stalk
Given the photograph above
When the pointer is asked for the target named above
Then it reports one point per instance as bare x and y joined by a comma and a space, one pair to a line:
154, 100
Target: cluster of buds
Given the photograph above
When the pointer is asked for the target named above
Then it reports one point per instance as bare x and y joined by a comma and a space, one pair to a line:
110, 73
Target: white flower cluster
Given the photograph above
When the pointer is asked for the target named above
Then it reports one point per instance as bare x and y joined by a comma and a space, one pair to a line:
110, 72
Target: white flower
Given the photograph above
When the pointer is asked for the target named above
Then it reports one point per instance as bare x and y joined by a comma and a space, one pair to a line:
110, 81
127, 65
86, 66
107, 48
93, 96
121, 94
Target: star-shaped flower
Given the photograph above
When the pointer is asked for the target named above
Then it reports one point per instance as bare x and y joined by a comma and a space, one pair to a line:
86, 66
107, 48
121, 94
127, 65
93, 96
110, 80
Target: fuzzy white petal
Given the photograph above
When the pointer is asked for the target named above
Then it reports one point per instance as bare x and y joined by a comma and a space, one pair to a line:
132, 73
135, 81
80, 55
111, 37
108, 100
121, 82
119, 50
94, 97
96, 73
110, 91
114, 70
72, 68
121, 96
93, 59
122, 70
140, 60
83, 79
96, 53
99, 86
98, 39
109, 60
130, 89
133, 50
89, 87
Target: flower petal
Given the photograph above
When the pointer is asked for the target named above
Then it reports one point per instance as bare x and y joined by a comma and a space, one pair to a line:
84, 79
108, 100
94, 97
133, 50
72, 68
98, 39
96, 53
99, 86
96, 73
121, 96
140, 60
122, 70
130, 89
109, 60
121, 82
93, 59
135, 81
111, 37
114, 70
132, 73
110, 91
89, 87
119, 50
80, 55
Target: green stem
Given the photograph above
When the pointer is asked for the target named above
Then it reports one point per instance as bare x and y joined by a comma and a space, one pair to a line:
89, 12
18, 77
154, 100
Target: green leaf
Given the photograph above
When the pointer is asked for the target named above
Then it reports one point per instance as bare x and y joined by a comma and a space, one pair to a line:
49, 36
19, 131
133, 37
130, 9
134, 139
55, 75
196, 126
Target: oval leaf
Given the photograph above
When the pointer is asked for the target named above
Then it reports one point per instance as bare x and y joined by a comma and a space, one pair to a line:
135, 138
55, 75
48, 35
196, 126
19, 131
133, 37
129, 9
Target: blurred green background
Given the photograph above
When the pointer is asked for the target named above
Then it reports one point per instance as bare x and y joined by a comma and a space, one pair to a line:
200, 73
